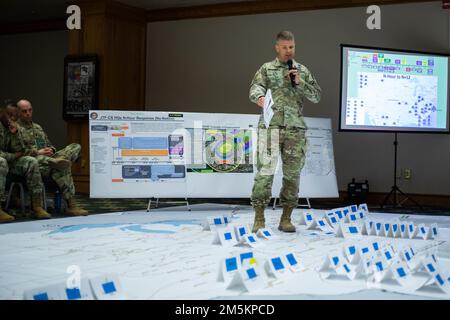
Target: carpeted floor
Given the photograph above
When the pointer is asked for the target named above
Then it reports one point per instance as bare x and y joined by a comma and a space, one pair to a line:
96, 206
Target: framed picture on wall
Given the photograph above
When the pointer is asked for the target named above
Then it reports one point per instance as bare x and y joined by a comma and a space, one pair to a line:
80, 86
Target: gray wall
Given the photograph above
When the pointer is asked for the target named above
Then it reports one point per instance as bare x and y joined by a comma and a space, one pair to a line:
206, 65
32, 67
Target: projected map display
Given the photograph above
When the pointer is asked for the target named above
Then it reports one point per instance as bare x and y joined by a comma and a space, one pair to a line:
385, 90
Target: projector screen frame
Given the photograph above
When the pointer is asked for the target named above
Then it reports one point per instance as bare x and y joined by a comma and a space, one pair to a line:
394, 50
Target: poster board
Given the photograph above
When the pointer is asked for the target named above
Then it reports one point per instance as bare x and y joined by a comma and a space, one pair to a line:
143, 154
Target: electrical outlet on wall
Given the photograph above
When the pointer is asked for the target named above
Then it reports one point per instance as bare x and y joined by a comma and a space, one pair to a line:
407, 173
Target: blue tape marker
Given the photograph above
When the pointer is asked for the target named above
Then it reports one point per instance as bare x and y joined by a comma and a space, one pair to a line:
246, 255
335, 260
231, 264
394, 227
378, 226
434, 231
321, 223
109, 287
402, 228
352, 250
309, 217
386, 227
353, 229
217, 221
277, 264
379, 266
346, 268
352, 217
227, 236
339, 214
439, 279
225, 219
375, 246
431, 267
73, 294
407, 256
401, 272
354, 208
388, 255
291, 259
41, 296
241, 231
411, 228
251, 239
266, 233
333, 220
365, 250
251, 273
422, 229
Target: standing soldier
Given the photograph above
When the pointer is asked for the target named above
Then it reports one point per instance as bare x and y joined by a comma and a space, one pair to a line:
20, 165
52, 163
289, 82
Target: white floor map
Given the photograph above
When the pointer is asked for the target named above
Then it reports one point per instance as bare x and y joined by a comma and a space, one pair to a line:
166, 254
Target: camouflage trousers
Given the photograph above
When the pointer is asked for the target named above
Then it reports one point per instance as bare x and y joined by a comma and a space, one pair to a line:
63, 178
291, 144
26, 167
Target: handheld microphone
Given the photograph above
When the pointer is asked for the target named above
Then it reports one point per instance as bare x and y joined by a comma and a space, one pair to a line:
289, 63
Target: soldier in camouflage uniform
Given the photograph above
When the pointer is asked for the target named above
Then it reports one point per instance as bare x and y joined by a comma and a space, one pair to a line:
286, 132
17, 164
52, 163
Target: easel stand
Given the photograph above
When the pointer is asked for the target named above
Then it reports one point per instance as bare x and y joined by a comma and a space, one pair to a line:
308, 205
186, 202
395, 189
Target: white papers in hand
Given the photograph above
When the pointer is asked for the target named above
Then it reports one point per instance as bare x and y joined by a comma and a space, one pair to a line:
268, 112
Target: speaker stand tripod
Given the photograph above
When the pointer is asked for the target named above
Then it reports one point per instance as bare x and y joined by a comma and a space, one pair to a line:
395, 189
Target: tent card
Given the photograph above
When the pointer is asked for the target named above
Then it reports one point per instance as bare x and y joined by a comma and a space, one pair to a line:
369, 228
339, 214
379, 229
352, 253
225, 237
363, 207
248, 278
276, 266
352, 217
353, 208
424, 232
107, 287
323, 225
395, 228
250, 240
387, 230
404, 230
265, 233
435, 280
348, 230
213, 223
434, 231
308, 220
332, 218
52, 292
293, 262
331, 265
62, 292
228, 268
241, 230
412, 230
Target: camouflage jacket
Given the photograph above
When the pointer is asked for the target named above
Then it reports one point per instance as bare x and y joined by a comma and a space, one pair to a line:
288, 100
17, 143
34, 137
4, 144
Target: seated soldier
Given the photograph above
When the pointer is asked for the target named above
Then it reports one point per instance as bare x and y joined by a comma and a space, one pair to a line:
52, 163
20, 165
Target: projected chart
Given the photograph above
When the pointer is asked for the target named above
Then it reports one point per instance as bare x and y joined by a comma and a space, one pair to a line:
388, 90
